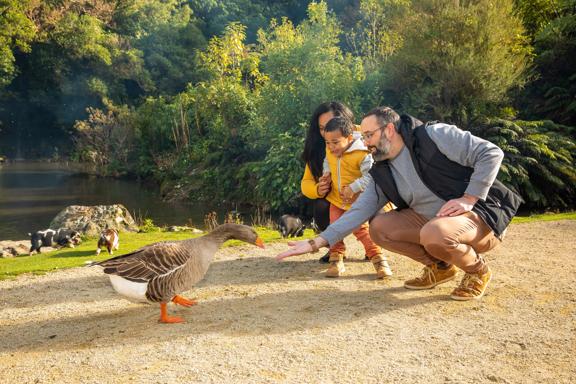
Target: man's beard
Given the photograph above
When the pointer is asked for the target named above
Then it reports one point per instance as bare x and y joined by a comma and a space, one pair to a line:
382, 150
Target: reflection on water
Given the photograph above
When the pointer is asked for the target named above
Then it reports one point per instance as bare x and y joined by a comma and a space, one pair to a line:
31, 194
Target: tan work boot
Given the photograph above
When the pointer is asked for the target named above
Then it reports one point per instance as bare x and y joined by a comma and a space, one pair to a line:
431, 277
472, 286
336, 267
381, 266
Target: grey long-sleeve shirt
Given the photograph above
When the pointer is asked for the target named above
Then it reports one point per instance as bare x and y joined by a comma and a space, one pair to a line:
459, 146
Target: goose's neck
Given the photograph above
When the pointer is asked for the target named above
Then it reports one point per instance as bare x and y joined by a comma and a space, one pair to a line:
218, 237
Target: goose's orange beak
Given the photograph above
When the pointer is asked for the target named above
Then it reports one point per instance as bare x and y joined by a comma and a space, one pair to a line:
259, 242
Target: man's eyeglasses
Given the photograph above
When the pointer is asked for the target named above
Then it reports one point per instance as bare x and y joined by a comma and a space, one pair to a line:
368, 134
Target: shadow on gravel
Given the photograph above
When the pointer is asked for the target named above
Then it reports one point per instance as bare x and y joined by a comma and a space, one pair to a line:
254, 315
238, 272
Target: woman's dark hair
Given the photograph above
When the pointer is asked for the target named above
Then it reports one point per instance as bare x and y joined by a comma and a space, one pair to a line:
315, 146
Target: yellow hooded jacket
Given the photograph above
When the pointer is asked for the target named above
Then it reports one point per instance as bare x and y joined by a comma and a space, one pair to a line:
349, 170
309, 185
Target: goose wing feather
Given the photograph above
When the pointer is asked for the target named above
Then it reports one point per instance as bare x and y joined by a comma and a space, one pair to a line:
148, 262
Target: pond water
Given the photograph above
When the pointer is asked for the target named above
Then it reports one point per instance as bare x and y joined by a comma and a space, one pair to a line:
32, 194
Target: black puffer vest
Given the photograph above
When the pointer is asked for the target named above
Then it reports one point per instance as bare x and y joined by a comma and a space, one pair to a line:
446, 178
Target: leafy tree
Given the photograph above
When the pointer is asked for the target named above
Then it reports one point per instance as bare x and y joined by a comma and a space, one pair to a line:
237, 111
552, 94
16, 33
459, 59
305, 67
166, 36
220, 112
105, 138
215, 15
199, 135
536, 14
90, 53
278, 184
377, 35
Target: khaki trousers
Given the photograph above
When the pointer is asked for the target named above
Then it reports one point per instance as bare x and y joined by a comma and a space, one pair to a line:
455, 240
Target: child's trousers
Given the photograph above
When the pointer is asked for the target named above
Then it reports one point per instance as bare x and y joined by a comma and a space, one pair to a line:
362, 234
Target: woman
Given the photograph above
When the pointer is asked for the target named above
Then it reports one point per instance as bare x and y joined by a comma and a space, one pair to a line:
314, 185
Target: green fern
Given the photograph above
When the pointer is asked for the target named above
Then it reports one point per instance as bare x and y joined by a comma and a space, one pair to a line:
538, 162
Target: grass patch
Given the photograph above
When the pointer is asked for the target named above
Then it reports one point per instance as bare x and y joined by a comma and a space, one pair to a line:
86, 251
76, 257
544, 217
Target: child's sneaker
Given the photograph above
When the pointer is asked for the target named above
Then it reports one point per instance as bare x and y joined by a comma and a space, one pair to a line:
326, 258
472, 286
336, 267
381, 266
431, 277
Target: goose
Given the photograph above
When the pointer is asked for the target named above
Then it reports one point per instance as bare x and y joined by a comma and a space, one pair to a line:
158, 272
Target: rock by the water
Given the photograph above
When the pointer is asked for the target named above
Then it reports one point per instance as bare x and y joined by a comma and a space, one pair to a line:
91, 220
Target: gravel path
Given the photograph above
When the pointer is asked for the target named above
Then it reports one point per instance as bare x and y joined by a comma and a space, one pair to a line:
259, 321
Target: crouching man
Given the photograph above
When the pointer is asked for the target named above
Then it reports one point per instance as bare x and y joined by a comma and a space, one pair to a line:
450, 207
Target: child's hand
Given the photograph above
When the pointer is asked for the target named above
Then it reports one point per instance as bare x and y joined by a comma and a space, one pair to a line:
347, 195
324, 185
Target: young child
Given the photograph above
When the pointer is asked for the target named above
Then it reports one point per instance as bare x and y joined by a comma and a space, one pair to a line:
348, 162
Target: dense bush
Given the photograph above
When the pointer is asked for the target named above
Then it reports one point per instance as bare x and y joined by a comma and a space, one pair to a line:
458, 60
222, 118
552, 93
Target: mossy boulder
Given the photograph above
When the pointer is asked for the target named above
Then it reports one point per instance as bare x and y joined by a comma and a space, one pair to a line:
91, 220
